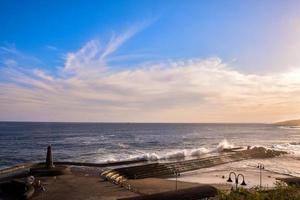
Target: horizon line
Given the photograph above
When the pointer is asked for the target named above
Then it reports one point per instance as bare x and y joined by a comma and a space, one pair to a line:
131, 122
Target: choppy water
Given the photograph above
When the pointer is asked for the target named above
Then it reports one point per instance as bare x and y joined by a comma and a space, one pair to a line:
102, 142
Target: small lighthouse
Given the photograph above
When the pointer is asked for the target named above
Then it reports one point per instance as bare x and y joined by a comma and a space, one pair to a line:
49, 158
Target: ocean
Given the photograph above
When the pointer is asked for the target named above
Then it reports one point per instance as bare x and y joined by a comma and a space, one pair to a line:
22, 142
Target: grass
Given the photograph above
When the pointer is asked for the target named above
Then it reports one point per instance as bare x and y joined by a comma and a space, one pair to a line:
280, 192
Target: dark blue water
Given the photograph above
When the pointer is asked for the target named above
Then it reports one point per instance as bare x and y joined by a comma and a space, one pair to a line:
101, 142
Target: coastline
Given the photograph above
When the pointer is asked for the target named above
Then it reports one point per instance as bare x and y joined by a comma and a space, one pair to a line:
136, 178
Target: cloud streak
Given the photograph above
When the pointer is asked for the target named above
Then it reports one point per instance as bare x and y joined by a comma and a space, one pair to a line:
11, 56
188, 90
91, 59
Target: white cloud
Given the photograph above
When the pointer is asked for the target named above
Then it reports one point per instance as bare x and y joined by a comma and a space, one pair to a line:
51, 48
194, 90
116, 42
89, 56
93, 55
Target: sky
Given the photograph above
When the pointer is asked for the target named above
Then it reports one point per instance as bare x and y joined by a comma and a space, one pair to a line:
150, 61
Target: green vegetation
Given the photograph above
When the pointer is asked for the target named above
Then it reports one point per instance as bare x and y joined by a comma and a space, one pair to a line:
280, 192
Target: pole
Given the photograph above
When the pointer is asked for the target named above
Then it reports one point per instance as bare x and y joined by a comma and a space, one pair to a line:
261, 167
260, 177
235, 179
176, 181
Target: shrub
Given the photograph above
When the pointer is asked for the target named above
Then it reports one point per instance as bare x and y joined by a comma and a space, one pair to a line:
280, 192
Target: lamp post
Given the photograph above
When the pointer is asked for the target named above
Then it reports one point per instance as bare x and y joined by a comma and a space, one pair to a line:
236, 178
261, 167
176, 173
243, 182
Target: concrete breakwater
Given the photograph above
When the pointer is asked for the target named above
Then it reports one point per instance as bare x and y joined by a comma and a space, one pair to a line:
171, 169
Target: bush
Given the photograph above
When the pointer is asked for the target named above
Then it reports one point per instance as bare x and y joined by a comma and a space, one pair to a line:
280, 192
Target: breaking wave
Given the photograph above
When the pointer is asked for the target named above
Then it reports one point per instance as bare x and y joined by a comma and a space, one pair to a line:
180, 154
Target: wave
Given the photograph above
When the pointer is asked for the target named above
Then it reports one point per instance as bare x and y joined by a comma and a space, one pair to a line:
122, 145
290, 127
179, 154
224, 144
291, 148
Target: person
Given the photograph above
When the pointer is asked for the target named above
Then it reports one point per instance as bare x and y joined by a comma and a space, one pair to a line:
30, 180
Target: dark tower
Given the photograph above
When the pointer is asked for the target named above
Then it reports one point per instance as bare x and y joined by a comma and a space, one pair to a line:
49, 159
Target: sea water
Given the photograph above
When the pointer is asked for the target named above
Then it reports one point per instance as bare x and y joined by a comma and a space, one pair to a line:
22, 142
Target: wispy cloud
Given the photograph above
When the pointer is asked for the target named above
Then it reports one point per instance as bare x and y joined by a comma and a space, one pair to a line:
11, 56
93, 55
195, 90
116, 41
51, 47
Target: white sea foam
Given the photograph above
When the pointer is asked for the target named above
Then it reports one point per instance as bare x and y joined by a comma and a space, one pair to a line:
291, 148
224, 144
123, 145
290, 127
172, 154
182, 153
111, 160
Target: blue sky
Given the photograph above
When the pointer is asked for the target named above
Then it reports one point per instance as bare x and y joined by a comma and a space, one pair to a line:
63, 41
240, 31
